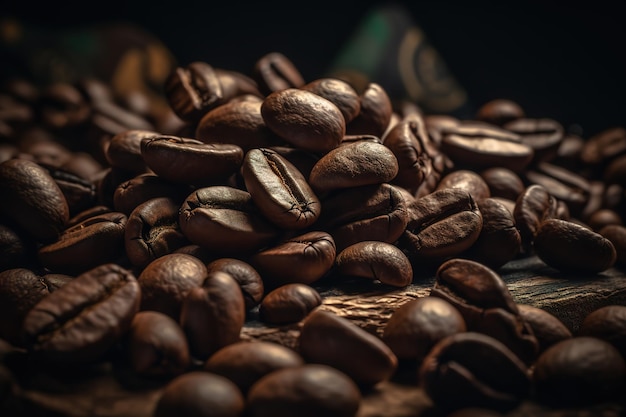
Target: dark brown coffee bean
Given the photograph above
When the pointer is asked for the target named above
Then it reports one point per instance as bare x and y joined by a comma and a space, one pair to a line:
289, 303
32, 199
443, 223
301, 259
329, 339
617, 235
474, 370
604, 146
124, 150
311, 390
340, 93
135, 191
352, 165
213, 315
418, 325
238, 123
465, 180
301, 159
484, 301
375, 113
79, 193
438, 124
304, 119
607, 323
244, 362
376, 260
534, 206
615, 173
571, 247
275, 72
500, 111
548, 329
602, 218
279, 190
83, 319
544, 136
166, 281
157, 346
579, 372
44, 150
16, 249
503, 182
62, 106
246, 276
152, 231
188, 161
200, 394
225, 220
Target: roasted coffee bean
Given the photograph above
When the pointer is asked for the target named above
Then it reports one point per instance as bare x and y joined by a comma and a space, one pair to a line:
212, 315
329, 339
499, 241
338, 92
236, 85
617, 235
62, 106
417, 325
465, 180
200, 394
615, 173
548, 329
376, 260
484, 301
152, 231
107, 183
130, 194
190, 161
16, 250
193, 90
503, 182
304, 119
20, 290
482, 146
443, 223
157, 346
44, 150
279, 190
94, 241
500, 111
371, 212
289, 303
571, 247
352, 165
607, 323
244, 362
124, 150
602, 218
578, 372
569, 151
224, 219
438, 124
544, 136
83, 319
238, 123
32, 199
166, 281
534, 206
275, 72
89, 213
301, 259
301, 159
246, 276
311, 390
604, 146
375, 113
79, 193
474, 370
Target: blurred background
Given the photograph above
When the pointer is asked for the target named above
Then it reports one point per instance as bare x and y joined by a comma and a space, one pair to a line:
566, 62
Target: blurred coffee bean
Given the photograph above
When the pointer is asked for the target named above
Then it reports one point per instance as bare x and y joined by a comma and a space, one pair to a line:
503, 182
548, 329
617, 235
289, 303
275, 72
607, 323
543, 135
500, 111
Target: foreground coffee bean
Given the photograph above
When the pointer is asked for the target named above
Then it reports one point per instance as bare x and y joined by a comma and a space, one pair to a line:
571, 247
474, 370
200, 394
579, 372
332, 340
80, 321
532, 208
244, 363
310, 390
374, 114
607, 323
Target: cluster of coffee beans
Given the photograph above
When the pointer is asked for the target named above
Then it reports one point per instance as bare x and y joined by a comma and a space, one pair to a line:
153, 232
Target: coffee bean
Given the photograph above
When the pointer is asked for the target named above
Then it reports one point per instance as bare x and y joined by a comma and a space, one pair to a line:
247, 277
375, 112
135, 191
543, 135
503, 182
607, 323
338, 92
548, 329
289, 303
79, 193
124, 150
468, 181
534, 206
617, 235
275, 72
500, 111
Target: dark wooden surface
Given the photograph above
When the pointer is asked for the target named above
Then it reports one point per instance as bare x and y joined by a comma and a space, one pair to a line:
102, 392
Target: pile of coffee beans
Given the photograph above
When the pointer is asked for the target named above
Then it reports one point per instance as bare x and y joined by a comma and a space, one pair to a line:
149, 235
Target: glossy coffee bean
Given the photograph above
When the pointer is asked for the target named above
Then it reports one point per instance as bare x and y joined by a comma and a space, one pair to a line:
124, 150
135, 191
310, 390
543, 135
375, 113
15, 248
571, 247
469, 181
63, 106
547, 328
578, 372
304, 119
329, 339
289, 303
212, 315
83, 319
157, 346
500, 111
604, 217
245, 362
474, 370
338, 92
376, 260
534, 206
247, 277
503, 182
418, 325
275, 72
200, 394
617, 235
607, 323
604, 146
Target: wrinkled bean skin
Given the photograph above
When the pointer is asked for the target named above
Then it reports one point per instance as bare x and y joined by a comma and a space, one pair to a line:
289, 303
84, 318
377, 261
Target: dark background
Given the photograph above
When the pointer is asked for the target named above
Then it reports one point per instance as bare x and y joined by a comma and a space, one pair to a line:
557, 60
